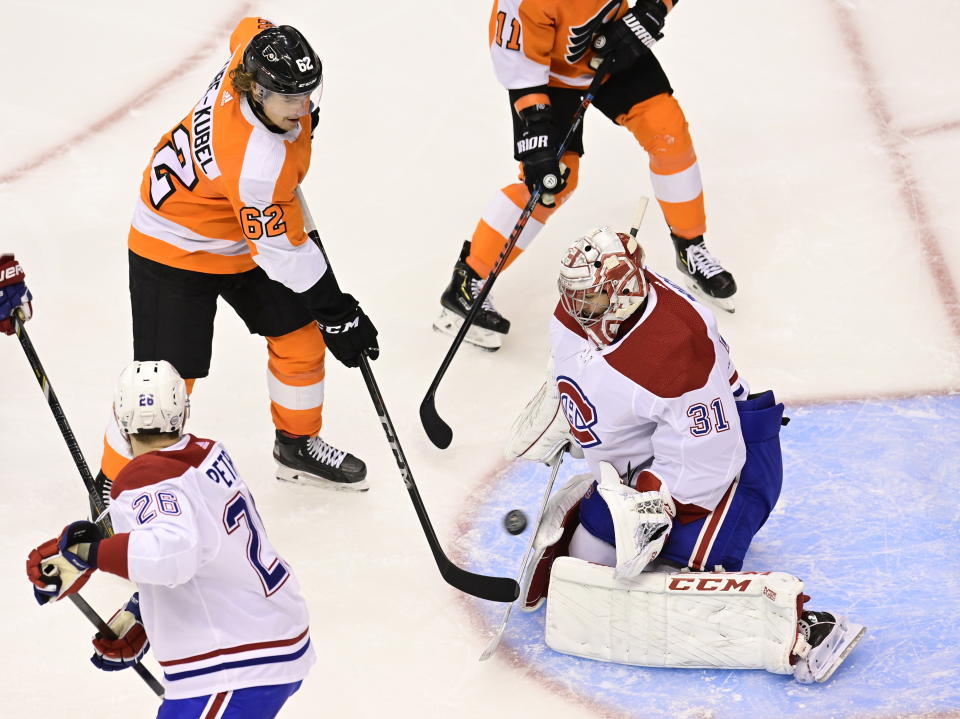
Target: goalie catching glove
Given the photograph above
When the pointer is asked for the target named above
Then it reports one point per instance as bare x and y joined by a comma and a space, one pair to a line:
131, 643
61, 566
642, 519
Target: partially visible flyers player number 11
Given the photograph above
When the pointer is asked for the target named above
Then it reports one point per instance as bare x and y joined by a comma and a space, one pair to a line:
544, 53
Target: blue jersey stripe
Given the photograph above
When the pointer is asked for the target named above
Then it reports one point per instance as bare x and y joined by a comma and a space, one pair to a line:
237, 665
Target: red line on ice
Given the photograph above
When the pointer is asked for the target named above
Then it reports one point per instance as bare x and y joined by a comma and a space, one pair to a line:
892, 141
118, 114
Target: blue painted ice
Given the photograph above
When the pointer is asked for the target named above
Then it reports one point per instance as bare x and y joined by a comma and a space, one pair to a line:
868, 518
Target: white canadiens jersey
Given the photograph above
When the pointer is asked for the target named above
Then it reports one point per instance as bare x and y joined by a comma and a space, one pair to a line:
221, 609
661, 398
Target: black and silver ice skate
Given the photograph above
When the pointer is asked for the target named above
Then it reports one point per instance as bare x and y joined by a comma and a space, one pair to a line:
703, 273
310, 460
825, 641
489, 326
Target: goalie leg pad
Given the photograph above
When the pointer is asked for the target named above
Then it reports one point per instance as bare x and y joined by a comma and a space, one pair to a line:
552, 539
728, 620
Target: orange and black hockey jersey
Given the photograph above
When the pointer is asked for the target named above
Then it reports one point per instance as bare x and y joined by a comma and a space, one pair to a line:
547, 42
218, 194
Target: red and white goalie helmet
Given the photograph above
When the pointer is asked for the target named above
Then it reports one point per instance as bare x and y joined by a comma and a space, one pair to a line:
602, 262
151, 397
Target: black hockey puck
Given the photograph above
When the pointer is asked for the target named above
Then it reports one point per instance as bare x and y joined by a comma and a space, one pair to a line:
515, 521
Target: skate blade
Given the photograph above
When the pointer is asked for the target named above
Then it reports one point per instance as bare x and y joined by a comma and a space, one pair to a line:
449, 323
294, 476
725, 303
851, 638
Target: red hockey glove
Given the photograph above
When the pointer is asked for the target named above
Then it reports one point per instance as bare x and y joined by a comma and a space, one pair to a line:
131, 643
60, 567
14, 294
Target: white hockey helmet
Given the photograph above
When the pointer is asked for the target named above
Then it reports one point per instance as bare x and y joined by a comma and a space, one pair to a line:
151, 397
608, 263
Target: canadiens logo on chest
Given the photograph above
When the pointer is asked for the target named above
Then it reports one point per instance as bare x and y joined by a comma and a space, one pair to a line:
581, 36
580, 413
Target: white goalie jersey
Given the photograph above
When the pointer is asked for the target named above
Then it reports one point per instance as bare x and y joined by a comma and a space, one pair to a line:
662, 398
221, 609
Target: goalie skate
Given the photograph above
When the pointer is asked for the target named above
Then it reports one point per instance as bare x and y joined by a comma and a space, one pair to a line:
313, 462
830, 639
449, 323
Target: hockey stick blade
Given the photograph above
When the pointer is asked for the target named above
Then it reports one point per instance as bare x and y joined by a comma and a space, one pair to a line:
493, 589
437, 430
496, 589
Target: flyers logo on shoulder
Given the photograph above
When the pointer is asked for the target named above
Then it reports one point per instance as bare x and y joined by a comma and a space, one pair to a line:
580, 413
581, 36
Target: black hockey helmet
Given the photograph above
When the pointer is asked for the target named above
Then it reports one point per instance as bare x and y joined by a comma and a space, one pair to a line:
282, 61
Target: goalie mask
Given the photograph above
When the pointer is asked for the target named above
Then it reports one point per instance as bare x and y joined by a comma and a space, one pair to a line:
151, 398
601, 282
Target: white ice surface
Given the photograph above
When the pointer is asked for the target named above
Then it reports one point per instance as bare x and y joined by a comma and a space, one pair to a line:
812, 201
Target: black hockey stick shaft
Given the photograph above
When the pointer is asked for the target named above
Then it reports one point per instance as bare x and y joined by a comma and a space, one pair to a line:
437, 430
57, 410
495, 589
68, 436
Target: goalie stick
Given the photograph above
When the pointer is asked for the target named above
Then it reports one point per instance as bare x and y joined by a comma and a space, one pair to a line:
495, 589
527, 557
95, 498
437, 430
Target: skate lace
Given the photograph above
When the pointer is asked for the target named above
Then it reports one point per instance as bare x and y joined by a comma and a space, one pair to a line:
700, 260
475, 287
325, 453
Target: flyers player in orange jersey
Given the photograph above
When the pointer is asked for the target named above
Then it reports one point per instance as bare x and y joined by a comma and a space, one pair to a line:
544, 53
217, 218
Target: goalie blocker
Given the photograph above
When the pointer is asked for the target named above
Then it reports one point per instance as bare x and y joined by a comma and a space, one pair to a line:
728, 620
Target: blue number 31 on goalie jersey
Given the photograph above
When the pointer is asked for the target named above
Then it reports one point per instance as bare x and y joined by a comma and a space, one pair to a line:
238, 511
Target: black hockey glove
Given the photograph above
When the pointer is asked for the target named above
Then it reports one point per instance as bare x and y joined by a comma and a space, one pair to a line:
625, 41
350, 333
537, 152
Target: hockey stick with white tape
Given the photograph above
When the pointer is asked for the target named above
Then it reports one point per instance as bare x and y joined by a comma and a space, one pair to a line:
437, 430
527, 557
638, 217
95, 498
495, 589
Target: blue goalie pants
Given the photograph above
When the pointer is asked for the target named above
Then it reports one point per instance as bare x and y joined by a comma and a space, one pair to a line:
720, 539
249, 703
